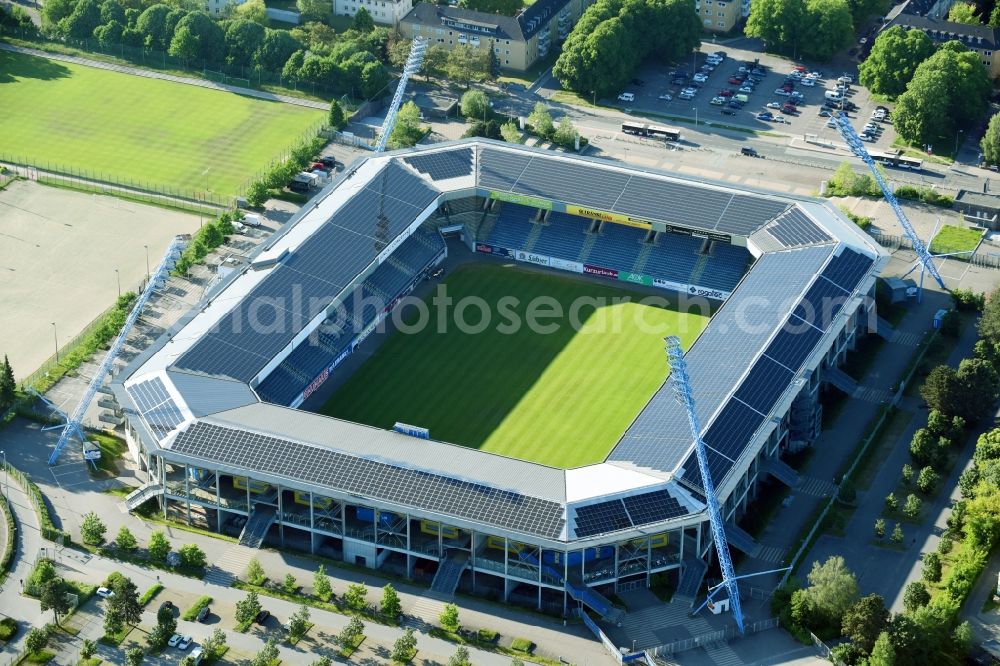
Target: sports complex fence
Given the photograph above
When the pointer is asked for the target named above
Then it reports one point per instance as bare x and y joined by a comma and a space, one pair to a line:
237, 75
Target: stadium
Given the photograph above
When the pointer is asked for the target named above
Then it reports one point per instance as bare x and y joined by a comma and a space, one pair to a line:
298, 405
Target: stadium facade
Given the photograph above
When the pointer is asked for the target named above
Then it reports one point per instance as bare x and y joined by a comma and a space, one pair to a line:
212, 412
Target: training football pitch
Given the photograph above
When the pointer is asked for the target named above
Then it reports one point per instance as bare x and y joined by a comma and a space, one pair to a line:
146, 131
561, 398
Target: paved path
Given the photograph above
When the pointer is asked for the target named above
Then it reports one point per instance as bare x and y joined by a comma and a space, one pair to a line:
152, 74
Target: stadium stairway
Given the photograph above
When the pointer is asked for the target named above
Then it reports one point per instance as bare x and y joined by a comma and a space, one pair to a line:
141, 494
841, 380
741, 539
692, 573
596, 601
781, 471
261, 519
448, 574
699, 269
640, 262
884, 330
588, 247
536, 232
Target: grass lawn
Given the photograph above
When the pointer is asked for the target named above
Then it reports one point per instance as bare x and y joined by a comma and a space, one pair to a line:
156, 133
573, 392
955, 239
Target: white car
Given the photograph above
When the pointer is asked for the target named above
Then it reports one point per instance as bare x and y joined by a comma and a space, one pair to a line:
239, 227
779, 119
878, 115
795, 74
831, 123
845, 79
746, 90
700, 78
104, 592
184, 642
809, 83
782, 92
174, 640
686, 95
773, 105
666, 97
718, 101
626, 97
689, 91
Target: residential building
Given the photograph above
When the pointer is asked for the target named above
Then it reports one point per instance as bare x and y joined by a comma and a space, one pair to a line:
931, 18
721, 15
517, 41
387, 12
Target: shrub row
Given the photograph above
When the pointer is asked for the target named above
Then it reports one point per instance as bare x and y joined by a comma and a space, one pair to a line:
206, 239
8, 551
281, 173
925, 194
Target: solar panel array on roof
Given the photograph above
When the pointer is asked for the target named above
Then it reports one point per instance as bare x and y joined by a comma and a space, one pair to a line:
264, 322
732, 429
443, 165
794, 228
821, 303
847, 269
653, 507
295, 461
622, 514
746, 213
601, 518
764, 384
155, 406
499, 169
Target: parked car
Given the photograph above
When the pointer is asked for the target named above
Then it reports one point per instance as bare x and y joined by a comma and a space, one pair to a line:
779, 119
174, 640
824, 113
626, 97
736, 104
808, 83
846, 78
262, 616
700, 78
329, 162
765, 116
725, 93
184, 642
782, 92
686, 95
666, 97
720, 54
746, 90
728, 112
748, 151
239, 227
773, 105
203, 613
105, 592
718, 100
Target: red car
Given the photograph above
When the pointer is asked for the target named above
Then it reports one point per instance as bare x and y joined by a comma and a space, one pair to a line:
800, 68
789, 108
318, 165
725, 93
735, 80
788, 87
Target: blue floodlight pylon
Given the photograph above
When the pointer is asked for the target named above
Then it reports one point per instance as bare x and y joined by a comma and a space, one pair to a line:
412, 66
857, 147
74, 424
682, 387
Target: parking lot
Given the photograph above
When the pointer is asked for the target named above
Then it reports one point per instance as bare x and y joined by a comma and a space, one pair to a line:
658, 80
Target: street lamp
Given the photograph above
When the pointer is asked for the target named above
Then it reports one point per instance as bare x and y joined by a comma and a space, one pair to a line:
55, 337
118, 278
147, 262
695, 115
957, 136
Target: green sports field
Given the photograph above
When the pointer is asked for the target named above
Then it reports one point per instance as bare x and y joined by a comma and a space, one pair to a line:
561, 398
129, 127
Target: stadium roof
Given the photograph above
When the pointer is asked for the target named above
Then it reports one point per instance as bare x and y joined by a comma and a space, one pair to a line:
190, 395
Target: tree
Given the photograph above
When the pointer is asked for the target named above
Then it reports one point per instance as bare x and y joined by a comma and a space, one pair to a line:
880, 528
349, 635
924, 446
912, 506
244, 41
510, 132
298, 624
847, 182
133, 656
883, 654
313, 10
468, 64
247, 608
336, 119
267, 655
894, 57
125, 540
56, 10
110, 34
932, 568
322, 661
782, 24
165, 618
8, 386
363, 21
252, 10
290, 584
192, 556
408, 130
54, 598
36, 640
390, 606
460, 658
978, 381
158, 637
88, 649
915, 596
83, 21
159, 547
831, 28
92, 529
113, 622
449, 618
897, 533
832, 589
541, 120
402, 649
565, 134
503, 7
43, 572
207, 33
125, 601
891, 503
475, 104
928, 480
321, 584
214, 646
184, 45
277, 47
963, 12
865, 620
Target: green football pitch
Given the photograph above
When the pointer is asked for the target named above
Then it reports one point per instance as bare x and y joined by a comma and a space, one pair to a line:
559, 398
128, 128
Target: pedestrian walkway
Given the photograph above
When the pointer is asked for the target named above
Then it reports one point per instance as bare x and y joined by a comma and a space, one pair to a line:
810, 485
152, 74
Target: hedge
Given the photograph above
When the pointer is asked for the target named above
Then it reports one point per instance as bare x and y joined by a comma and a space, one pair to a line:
48, 528
925, 194
8, 551
192, 613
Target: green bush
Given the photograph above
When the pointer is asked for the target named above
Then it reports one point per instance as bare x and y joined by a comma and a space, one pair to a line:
860, 220
967, 300
148, 595
8, 551
925, 194
8, 628
488, 635
522, 645
192, 613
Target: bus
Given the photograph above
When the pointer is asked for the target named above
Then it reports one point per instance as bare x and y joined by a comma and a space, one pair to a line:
643, 129
897, 160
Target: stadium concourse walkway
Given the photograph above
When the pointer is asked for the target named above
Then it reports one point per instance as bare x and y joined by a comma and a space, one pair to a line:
836, 444
153, 74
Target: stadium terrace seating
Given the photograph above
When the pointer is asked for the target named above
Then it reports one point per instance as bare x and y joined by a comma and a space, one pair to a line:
361, 306
512, 227
674, 257
617, 247
563, 236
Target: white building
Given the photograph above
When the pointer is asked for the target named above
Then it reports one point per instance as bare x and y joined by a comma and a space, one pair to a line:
386, 12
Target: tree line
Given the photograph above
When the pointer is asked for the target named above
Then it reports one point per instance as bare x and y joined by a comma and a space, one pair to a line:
939, 91
811, 28
614, 36
352, 62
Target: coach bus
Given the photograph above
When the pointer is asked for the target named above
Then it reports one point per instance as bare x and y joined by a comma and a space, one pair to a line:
897, 160
642, 129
